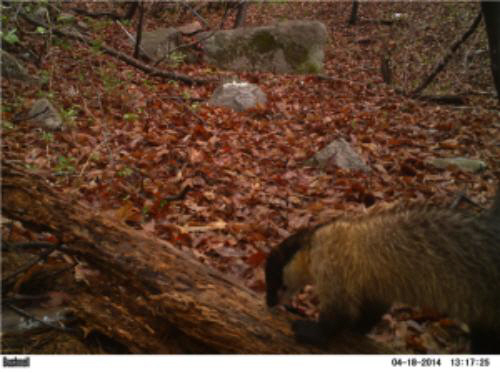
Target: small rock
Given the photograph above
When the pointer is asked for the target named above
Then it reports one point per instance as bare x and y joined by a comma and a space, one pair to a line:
464, 164
341, 154
238, 96
44, 114
82, 25
66, 17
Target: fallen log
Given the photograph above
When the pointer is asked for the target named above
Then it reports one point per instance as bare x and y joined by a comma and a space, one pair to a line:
148, 296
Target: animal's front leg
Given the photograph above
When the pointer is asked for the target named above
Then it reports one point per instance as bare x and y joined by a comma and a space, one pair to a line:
310, 332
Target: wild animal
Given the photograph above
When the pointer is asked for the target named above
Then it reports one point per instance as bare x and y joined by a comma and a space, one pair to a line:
438, 258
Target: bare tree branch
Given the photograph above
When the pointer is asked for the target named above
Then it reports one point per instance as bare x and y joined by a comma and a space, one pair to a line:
441, 65
196, 14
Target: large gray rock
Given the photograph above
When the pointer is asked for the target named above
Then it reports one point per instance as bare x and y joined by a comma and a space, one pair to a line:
285, 47
238, 96
157, 44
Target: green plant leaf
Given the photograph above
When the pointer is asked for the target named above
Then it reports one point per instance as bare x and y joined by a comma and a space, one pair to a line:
130, 117
10, 37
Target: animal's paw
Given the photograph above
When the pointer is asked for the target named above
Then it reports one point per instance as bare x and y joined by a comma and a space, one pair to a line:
310, 332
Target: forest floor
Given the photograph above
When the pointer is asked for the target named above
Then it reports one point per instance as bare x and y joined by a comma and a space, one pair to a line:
131, 140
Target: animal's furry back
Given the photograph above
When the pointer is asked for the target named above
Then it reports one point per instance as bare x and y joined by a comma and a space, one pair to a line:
440, 258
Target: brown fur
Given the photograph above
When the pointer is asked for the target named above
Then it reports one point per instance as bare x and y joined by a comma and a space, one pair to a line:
437, 258
495, 209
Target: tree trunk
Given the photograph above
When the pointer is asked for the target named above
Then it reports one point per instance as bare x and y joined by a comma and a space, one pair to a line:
138, 38
131, 10
491, 14
146, 294
354, 13
241, 14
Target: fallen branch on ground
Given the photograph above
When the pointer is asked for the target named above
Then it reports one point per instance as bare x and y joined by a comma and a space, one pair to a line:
125, 58
147, 295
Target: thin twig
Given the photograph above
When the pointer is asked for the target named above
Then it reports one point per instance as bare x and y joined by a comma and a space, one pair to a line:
463, 197
181, 101
18, 297
27, 266
57, 273
177, 196
226, 12
31, 245
196, 14
89, 158
105, 133
130, 36
34, 318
